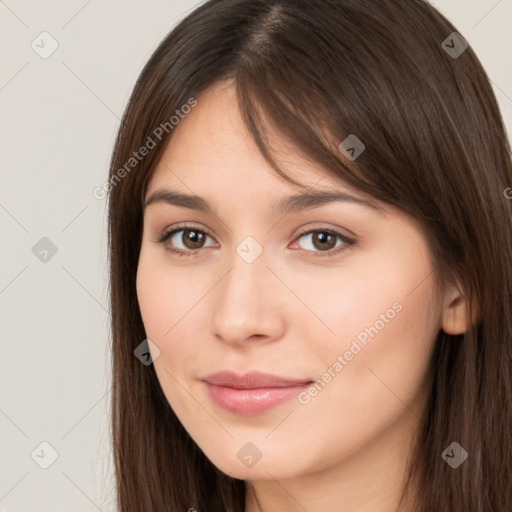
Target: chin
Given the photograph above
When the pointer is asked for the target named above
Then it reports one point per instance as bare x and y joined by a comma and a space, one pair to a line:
263, 469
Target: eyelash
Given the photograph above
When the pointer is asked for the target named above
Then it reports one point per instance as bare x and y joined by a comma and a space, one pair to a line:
347, 242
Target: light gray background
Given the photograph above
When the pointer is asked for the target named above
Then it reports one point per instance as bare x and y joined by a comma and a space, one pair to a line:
59, 117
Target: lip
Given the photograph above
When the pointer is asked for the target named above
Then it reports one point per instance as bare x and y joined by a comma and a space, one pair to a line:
251, 393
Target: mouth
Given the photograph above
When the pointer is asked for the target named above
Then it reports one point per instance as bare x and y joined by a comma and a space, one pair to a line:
252, 393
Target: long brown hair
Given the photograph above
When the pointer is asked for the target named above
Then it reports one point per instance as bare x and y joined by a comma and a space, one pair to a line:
435, 146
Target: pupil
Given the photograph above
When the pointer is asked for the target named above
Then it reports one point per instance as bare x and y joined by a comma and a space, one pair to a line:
323, 239
194, 236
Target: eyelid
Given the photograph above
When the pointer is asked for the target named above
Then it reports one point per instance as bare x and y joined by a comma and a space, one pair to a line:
168, 232
347, 241
304, 230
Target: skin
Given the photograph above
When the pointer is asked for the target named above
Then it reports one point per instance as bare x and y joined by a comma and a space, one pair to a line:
291, 312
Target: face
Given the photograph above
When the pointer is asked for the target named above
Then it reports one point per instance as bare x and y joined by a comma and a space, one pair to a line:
336, 300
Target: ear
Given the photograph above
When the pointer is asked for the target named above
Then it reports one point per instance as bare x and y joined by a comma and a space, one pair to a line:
455, 315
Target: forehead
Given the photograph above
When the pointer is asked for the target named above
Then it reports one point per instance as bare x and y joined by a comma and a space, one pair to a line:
212, 146
202, 183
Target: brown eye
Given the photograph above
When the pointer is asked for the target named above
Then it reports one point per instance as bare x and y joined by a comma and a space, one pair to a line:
323, 242
188, 240
184, 240
192, 238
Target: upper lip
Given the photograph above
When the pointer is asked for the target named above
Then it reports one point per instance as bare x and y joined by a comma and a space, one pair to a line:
251, 380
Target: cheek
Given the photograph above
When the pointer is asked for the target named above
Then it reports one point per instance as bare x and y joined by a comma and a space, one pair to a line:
384, 377
386, 342
164, 300
383, 321
152, 301
170, 300
163, 296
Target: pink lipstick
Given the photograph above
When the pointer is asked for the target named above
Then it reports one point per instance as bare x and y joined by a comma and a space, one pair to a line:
251, 393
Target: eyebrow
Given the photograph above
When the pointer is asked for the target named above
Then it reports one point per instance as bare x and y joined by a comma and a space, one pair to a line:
290, 204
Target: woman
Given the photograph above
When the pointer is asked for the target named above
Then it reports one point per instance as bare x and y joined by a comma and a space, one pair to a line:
310, 242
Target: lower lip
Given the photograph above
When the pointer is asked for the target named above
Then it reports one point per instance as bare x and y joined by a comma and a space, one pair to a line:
252, 401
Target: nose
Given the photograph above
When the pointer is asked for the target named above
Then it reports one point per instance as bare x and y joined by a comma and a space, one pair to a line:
249, 303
